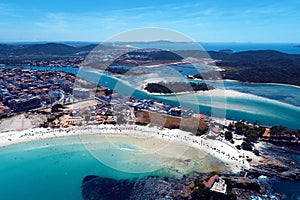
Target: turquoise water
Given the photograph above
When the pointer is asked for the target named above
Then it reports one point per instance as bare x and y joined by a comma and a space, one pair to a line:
282, 110
61, 164
273, 109
51, 169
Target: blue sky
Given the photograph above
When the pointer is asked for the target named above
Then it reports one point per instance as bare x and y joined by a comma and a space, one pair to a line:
202, 20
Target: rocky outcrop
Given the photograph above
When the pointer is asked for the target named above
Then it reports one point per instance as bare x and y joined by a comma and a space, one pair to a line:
94, 187
272, 171
275, 163
165, 188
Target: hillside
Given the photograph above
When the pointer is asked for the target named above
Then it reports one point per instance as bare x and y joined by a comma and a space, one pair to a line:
248, 66
47, 49
262, 66
257, 59
6, 49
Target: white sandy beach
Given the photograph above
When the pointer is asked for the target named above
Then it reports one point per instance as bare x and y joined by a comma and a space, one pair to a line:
220, 149
213, 93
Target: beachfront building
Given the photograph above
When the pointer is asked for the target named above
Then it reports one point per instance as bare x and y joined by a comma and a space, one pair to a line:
216, 184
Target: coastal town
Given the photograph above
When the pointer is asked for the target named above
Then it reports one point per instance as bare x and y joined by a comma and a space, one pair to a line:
71, 111
149, 100
23, 89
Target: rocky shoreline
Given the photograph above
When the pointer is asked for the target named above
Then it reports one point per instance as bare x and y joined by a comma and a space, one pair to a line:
186, 187
276, 162
255, 183
152, 187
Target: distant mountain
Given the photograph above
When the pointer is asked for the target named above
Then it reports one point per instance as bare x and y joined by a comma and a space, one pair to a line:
7, 49
77, 43
89, 47
248, 66
46, 49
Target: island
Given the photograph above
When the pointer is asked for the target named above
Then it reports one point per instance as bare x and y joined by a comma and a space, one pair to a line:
176, 87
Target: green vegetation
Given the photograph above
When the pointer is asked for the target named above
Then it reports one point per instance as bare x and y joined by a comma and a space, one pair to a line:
108, 92
228, 135
252, 135
251, 132
240, 128
246, 146
277, 131
140, 56
264, 66
201, 192
45, 49
256, 152
278, 134
175, 87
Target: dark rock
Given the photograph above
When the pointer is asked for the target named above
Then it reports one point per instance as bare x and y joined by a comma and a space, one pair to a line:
146, 188
88, 178
106, 188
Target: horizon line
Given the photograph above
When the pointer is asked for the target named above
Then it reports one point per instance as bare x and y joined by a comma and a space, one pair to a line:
99, 42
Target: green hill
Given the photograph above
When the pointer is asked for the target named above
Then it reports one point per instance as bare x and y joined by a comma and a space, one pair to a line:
263, 66
46, 49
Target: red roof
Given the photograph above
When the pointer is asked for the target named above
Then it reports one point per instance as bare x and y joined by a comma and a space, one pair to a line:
102, 89
211, 181
267, 133
201, 116
37, 91
99, 112
100, 119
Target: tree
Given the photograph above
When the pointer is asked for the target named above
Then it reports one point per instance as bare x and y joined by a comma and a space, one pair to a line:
108, 92
246, 146
252, 135
57, 108
228, 135
230, 127
201, 192
256, 152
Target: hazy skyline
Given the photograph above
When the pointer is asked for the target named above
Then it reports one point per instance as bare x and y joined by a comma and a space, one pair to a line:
203, 21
